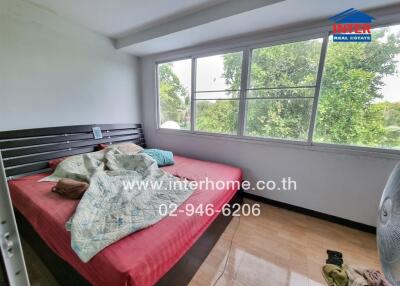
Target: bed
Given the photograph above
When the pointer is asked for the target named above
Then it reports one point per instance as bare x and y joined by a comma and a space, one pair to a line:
167, 253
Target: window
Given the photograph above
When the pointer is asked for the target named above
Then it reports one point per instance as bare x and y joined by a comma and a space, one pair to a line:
354, 100
174, 86
217, 96
360, 94
281, 90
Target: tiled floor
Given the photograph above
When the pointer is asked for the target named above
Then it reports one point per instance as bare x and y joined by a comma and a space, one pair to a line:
38, 274
277, 248
282, 248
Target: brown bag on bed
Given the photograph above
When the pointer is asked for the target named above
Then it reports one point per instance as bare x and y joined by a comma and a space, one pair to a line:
69, 188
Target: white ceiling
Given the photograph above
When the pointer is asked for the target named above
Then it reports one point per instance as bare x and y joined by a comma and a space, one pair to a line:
115, 18
121, 19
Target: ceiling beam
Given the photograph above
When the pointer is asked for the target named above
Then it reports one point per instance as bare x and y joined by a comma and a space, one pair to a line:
216, 12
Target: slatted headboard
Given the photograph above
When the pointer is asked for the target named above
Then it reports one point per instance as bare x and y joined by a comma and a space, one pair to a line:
28, 151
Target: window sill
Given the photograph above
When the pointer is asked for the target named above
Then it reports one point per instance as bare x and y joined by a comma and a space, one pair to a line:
284, 143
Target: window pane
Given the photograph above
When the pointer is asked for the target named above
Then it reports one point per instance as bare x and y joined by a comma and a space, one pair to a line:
218, 95
360, 100
289, 65
221, 72
281, 93
174, 94
282, 118
219, 116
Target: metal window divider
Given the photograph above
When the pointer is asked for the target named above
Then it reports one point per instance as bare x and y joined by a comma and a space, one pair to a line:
321, 65
193, 95
243, 91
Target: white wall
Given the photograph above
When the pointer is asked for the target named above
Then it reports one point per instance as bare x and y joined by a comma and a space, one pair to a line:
53, 72
344, 184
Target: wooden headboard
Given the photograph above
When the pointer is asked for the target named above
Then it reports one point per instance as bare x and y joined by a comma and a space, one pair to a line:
28, 151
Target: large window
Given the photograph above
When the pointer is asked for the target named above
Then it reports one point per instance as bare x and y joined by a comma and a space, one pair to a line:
360, 93
281, 90
217, 96
174, 86
284, 93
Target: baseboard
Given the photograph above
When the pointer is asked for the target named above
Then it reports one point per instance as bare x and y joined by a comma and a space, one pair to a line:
316, 214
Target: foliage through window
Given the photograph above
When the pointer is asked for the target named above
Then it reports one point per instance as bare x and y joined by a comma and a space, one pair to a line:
360, 94
174, 86
217, 96
358, 101
282, 88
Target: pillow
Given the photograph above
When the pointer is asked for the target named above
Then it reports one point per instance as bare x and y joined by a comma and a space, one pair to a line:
162, 157
70, 189
126, 148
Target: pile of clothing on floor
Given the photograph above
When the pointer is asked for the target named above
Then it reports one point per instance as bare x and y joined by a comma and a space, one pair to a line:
338, 274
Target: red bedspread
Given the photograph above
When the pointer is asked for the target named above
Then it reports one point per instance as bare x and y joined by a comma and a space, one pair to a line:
141, 258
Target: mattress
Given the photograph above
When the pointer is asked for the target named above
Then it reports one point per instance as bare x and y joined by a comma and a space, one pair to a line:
141, 258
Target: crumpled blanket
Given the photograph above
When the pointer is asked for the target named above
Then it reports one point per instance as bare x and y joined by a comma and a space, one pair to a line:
111, 208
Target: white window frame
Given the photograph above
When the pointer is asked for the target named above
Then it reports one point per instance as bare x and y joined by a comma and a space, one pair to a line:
260, 42
316, 87
194, 90
157, 83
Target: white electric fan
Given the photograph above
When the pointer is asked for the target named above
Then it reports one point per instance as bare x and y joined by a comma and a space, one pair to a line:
388, 229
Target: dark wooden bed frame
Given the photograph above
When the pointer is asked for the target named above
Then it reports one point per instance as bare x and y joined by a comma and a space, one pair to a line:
28, 152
